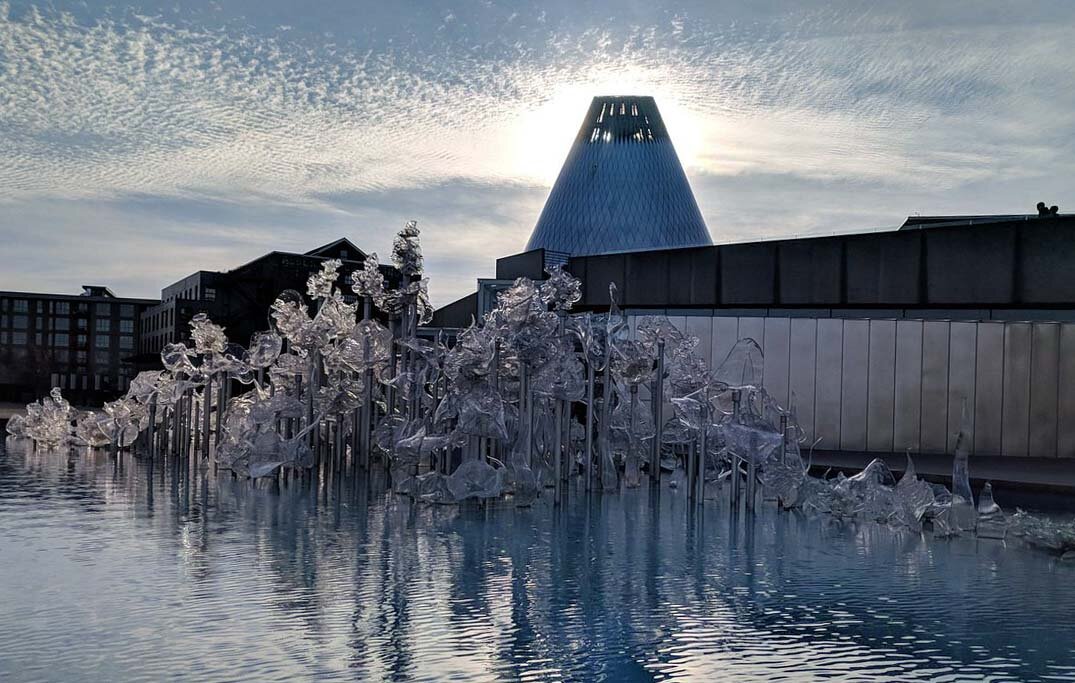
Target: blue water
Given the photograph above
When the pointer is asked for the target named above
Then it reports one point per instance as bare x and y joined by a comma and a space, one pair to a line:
115, 571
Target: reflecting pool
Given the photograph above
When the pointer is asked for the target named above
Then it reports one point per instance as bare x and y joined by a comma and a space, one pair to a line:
118, 570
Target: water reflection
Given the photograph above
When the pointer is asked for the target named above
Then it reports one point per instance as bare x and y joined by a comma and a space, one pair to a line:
130, 570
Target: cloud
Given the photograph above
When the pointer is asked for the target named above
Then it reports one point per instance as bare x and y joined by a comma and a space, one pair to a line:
209, 134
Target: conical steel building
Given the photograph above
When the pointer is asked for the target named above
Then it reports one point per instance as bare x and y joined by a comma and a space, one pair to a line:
621, 188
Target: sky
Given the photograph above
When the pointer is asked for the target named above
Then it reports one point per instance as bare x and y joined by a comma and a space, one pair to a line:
142, 141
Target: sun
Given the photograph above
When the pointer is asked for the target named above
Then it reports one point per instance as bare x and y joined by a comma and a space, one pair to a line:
537, 140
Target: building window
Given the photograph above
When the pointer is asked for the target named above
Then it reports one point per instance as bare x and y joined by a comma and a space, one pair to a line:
126, 310
3, 337
126, 343
80, 357
18, 338
102, 342
101, 358
61, 307
18, 322
61, 355
61, 339
20, 306
210, 294
61, 324
104, 309
80, 339
126, 326
104, 325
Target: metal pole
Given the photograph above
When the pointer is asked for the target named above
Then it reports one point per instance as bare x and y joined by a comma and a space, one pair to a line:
733, 455
151, 430
207, 401
697, 482
196, 423
220, 403
557, 452
752, 472
657, 396
632, 466
588, 455
783, 438
603, 428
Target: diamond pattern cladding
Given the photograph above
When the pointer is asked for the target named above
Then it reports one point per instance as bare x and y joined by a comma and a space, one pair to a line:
621, 188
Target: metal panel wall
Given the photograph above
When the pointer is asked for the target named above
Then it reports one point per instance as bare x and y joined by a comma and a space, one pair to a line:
801, 370
893, 385
1065, 438
702, 327
855, 384
777, 348
934, 438
907, 422
1016, 414
1044, 367
753, 328
882, 385
828, 382
725, 334
989, 389
962, 356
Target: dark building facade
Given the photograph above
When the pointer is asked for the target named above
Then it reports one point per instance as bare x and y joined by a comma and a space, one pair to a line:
80, 343
240, 299
91, 345
621, 188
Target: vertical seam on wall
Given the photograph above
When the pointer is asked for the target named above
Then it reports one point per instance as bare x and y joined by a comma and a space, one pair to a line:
948, 388
895, 355
1029, 395
813, 435
974, 407
1003, 380
840, 412
1059, 341
921, 375
788, 383
869, 344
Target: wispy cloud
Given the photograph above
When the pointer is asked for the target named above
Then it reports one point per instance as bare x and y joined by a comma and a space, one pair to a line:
210, 134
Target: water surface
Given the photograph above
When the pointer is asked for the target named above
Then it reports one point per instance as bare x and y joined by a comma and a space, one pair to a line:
119, 570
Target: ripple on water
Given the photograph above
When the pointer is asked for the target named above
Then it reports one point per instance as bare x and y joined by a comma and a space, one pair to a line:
125, 571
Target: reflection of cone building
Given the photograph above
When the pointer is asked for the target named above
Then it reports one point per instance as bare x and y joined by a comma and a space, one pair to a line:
621, 188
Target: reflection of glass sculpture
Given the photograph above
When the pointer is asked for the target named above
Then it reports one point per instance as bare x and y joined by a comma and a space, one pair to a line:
526, 400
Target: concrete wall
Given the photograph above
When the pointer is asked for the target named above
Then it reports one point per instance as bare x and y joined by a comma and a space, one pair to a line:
887, 385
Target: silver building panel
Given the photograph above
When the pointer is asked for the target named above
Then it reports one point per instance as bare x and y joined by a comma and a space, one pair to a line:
907, 421
1065, 438
801, 370
679, 321
1015, 421
753, 328
725, 334
988, 388
828, 382
882, 385
777, 348
1044, 367
702, 327
934, 437
962, 352
855, 384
